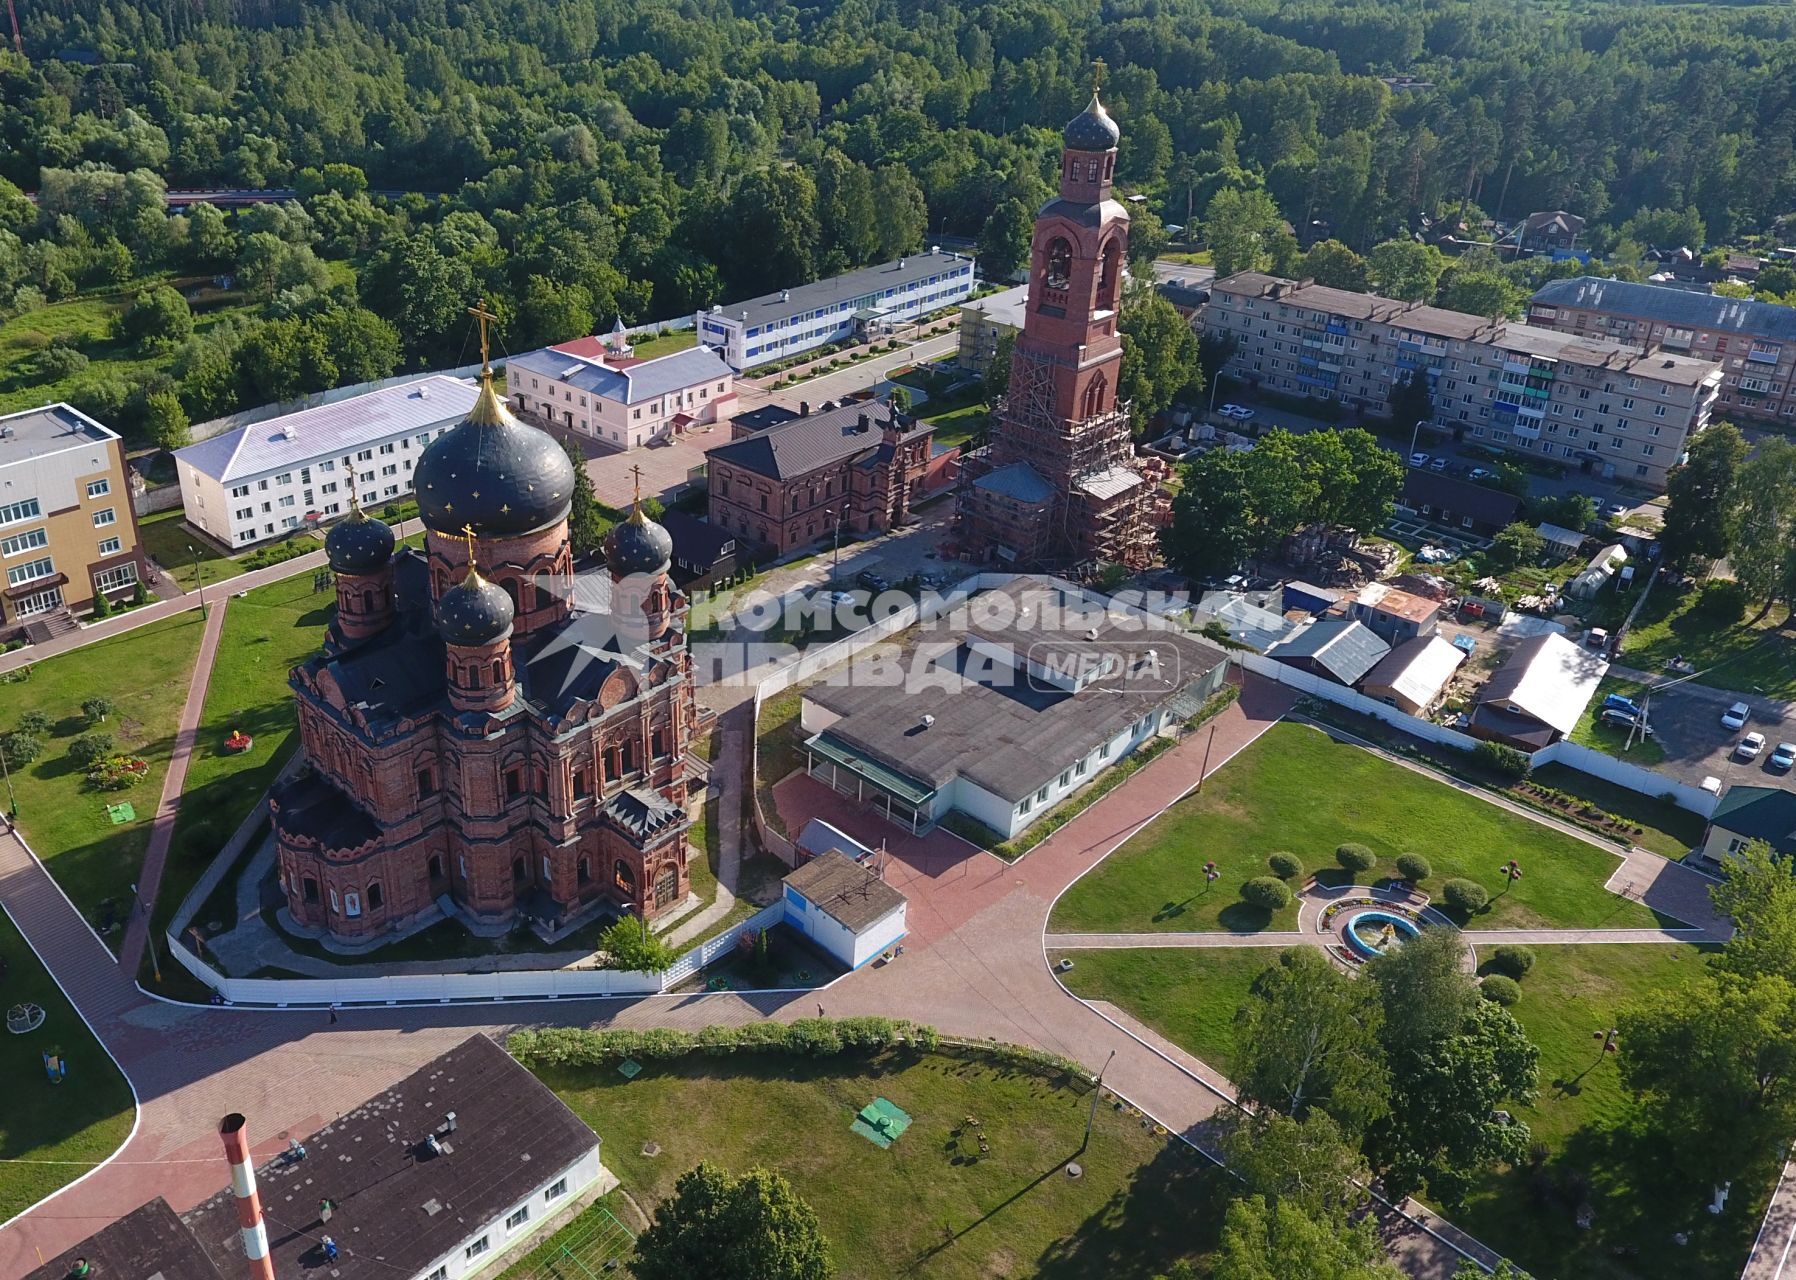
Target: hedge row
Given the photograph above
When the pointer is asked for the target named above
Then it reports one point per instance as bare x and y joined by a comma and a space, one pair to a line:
816, 1037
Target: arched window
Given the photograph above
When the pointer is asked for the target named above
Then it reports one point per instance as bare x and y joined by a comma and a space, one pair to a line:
498, 672
1091, 170
511, 589
334, 907
1109, 271
1060, 263
435, 866
1094, 396
311, 889
474, 677
623, 879
375, 897
367, 602
667, 883
545, 599
583, 873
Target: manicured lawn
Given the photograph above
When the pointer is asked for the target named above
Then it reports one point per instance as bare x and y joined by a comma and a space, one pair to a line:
145, 673
665, 344
269, 631
1299, 790
779, 744
1664, 828
71, 1126
171, 544
1586, 1121
1611, 739
957, 425
1734, 655
932, 1204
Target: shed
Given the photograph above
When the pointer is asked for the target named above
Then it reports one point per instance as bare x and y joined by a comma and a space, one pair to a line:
1560, 538
1595, 576
844, 907
1414, 673
1309, 598
819, 837
1337, 649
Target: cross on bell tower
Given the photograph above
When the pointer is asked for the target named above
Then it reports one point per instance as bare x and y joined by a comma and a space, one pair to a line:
484, 317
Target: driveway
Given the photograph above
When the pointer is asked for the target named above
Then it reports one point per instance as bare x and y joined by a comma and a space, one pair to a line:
1687, 720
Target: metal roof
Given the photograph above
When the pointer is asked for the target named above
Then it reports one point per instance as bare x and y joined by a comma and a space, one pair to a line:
1434, 321
1547, 678
804, 445
1683, 308
1019, 480
36, 433
1759, 813
851, 286
1005, 307
1416, 670
330, 430
634, 382
1110, 482
1345, 649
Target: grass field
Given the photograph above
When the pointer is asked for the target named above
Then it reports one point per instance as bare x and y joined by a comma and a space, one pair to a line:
70, 1127
270, 630
665, 344
932, 1205
145, 673
1587, 1122
1610, 739
958, 424
1297, 789
172, 545
1733, 655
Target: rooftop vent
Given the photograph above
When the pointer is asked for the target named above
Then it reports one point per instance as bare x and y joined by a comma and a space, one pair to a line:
287, 431
423, 393
785, 295
935, 248
928, 722
1092, 634
901, 262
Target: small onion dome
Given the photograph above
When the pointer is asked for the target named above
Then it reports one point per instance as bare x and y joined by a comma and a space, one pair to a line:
1092, 129
474, 612
359, 544
638, 545
495, 473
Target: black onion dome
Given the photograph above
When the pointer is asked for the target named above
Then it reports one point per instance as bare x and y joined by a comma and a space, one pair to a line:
638, 545
474, 612
1092, 129
359, 544
494, 473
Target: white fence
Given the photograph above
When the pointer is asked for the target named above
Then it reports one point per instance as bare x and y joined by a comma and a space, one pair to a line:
1573, 755
451, 988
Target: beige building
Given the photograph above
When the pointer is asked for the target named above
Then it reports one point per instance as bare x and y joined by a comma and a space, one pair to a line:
1594, 405
67, 529
984, 322
599, 388
1413, 675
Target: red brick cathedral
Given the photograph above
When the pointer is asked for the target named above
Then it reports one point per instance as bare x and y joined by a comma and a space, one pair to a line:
1060, 485
485, 735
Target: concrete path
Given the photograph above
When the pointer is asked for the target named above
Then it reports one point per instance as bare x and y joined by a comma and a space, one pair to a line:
162, 830
1775, 1243
1477, 937
729, 764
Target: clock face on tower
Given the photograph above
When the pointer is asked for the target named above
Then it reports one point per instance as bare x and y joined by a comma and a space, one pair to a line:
1060, 265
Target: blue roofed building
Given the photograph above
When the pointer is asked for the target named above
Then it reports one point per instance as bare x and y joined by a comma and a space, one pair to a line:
598, 388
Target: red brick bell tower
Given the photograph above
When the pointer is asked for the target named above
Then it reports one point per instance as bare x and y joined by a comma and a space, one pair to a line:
1059, 485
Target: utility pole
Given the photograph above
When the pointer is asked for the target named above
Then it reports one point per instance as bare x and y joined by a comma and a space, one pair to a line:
1210, 742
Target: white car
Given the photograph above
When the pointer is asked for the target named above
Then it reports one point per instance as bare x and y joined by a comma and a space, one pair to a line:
1239, 412
1750, 746
1418, 459
1439, 464
1617, 510
1479, 473
1735, 716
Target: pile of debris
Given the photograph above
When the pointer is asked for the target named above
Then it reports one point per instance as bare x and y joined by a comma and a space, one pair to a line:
1337, 558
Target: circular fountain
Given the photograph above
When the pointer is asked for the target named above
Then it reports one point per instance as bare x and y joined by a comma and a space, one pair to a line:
1372, 932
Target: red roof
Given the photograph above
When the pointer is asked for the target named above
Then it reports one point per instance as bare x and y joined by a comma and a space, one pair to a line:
586, 348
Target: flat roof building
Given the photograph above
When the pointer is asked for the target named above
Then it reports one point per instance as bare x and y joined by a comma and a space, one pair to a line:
1004, 706
67, 528
1754, 342
267, 479
599, 388
1603, 407
855, 305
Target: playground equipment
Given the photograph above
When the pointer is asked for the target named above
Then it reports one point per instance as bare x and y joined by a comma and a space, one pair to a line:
24, 1017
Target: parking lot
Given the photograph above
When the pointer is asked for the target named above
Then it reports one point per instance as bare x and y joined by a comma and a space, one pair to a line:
1686, 722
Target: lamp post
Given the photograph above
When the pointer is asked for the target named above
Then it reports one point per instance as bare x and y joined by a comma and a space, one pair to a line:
199, 580
1211, 875
835, 523
1510, 871
1608, 1038
1096, 1092
12, 800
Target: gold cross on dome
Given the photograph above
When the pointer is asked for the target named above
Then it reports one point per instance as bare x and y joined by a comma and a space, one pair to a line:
1098, 67
468, 535
480, 313
637, 508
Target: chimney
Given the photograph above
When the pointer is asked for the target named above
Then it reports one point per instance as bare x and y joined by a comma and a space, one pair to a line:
804, 408
249, 1204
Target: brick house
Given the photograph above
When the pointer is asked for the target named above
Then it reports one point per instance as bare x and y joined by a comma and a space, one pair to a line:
863, 465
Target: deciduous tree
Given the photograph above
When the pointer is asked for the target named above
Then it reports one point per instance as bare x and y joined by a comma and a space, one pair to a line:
1309, 1041
1283, 1243
1699, 517
752, 1227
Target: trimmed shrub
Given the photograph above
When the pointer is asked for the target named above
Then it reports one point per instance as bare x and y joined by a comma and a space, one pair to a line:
1286, 866
1465, 895
21, 748
1505, 761
1356, 857
1504, 991
1413, 867
818, 1037
1269, 893
35, 723
1512, 960
90, 748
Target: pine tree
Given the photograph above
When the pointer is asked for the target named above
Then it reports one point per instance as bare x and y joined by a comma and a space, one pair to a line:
585, 526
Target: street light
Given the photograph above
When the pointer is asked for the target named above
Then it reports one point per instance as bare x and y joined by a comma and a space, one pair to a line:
12, 800
1097, 1091
835, 522
199, 581
1510, 871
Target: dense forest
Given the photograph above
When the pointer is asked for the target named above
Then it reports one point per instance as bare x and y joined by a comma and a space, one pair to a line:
573, 159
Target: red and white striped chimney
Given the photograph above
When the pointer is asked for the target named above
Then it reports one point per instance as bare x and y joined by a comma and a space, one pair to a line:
249, 1204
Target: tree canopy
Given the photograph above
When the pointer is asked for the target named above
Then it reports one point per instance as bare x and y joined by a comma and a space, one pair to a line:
752, 1227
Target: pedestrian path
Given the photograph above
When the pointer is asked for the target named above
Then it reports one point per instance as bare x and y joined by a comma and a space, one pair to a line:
1220, 940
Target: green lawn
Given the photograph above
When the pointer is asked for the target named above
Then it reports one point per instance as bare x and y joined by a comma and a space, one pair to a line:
1663, 828
1299, 790
145, 673
779, 747
70, 1127
266, 633
172, 544
1734, 656
931, 1205
665, 344
1610, 739
958, 424
1584, 1118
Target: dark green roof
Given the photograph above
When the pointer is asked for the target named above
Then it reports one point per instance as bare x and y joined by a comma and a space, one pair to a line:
1759, 813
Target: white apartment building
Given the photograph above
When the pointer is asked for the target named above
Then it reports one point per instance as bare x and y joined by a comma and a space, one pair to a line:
856, 304
1602, 407
265, 480
600, 389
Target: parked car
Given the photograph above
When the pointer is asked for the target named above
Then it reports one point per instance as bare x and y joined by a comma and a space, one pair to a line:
1750, 746
1783, 755
1481, 473
1234, 411
1616, 702
1418, 459
1616, 510
1439, 464
1616, 718
1735, 717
